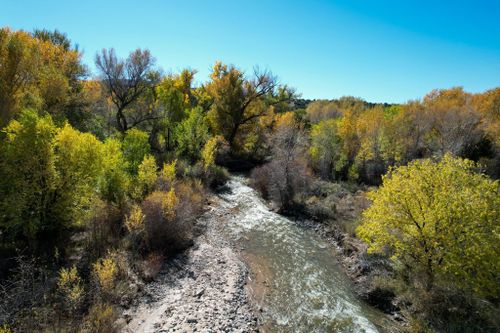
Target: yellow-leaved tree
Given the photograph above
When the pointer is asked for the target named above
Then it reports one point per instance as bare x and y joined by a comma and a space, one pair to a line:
440, 219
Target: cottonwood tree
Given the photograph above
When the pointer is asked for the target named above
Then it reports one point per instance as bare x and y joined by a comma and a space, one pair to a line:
325, 148
175, 98
237, 100
441, 221
126, 82
39, 73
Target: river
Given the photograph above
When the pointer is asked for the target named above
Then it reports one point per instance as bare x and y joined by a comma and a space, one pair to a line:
302, 286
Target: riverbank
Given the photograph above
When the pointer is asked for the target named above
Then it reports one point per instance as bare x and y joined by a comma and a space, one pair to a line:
337, 229
202, 289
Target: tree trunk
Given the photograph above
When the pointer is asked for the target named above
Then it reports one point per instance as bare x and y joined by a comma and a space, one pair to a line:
232, 135
121, 121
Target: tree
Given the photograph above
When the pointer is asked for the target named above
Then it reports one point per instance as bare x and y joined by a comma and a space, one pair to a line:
115, 181
55, 37
238, 100
126, 81
439, 219
375, 150
135, 146
39, 73
321, 110
27, 149
454, 120
191, 134
48, 178
326, 148
287, 174
175, 96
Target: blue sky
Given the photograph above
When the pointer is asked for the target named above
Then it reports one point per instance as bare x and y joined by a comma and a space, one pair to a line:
382, 50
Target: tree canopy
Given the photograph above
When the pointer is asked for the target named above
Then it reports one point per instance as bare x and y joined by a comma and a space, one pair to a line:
439, 218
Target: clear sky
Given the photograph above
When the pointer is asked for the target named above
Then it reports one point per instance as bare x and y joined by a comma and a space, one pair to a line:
382, 50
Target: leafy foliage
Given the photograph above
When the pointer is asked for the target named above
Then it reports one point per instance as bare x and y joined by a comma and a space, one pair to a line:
64, 167
191, 134
39, 71
135, 146
440, 218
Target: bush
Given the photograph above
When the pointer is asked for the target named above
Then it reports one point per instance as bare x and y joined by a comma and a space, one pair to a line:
105, 271
168, 175
70, 287
101, 319
190, 201
216, 176
283, 185
5, 329
151, 266
162, 230
134, 222
146, 177
169, 216
259, 178
215, 151
286, 177
115, 181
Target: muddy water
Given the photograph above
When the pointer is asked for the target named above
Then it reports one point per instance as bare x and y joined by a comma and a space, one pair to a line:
296, 279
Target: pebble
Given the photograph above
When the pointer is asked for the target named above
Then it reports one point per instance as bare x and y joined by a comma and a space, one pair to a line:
200, 290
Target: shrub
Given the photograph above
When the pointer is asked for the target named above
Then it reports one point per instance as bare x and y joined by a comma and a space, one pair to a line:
134, 222
167, 176
115, 181
216, 176
169, 216
70, 287
100, 319
151, 266
259, 178
26, 288
146, 177
190, 201
163, 231
106, 271
214, 151
4, 328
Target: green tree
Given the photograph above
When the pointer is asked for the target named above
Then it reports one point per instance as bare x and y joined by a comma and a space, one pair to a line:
115, 180
135, 146
48, 177
28, 175
439, 219
325, 148
40, 72
175, 97
239, 100
79, 161
191, 134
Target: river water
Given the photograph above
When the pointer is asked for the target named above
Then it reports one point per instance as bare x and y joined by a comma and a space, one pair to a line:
307, 291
